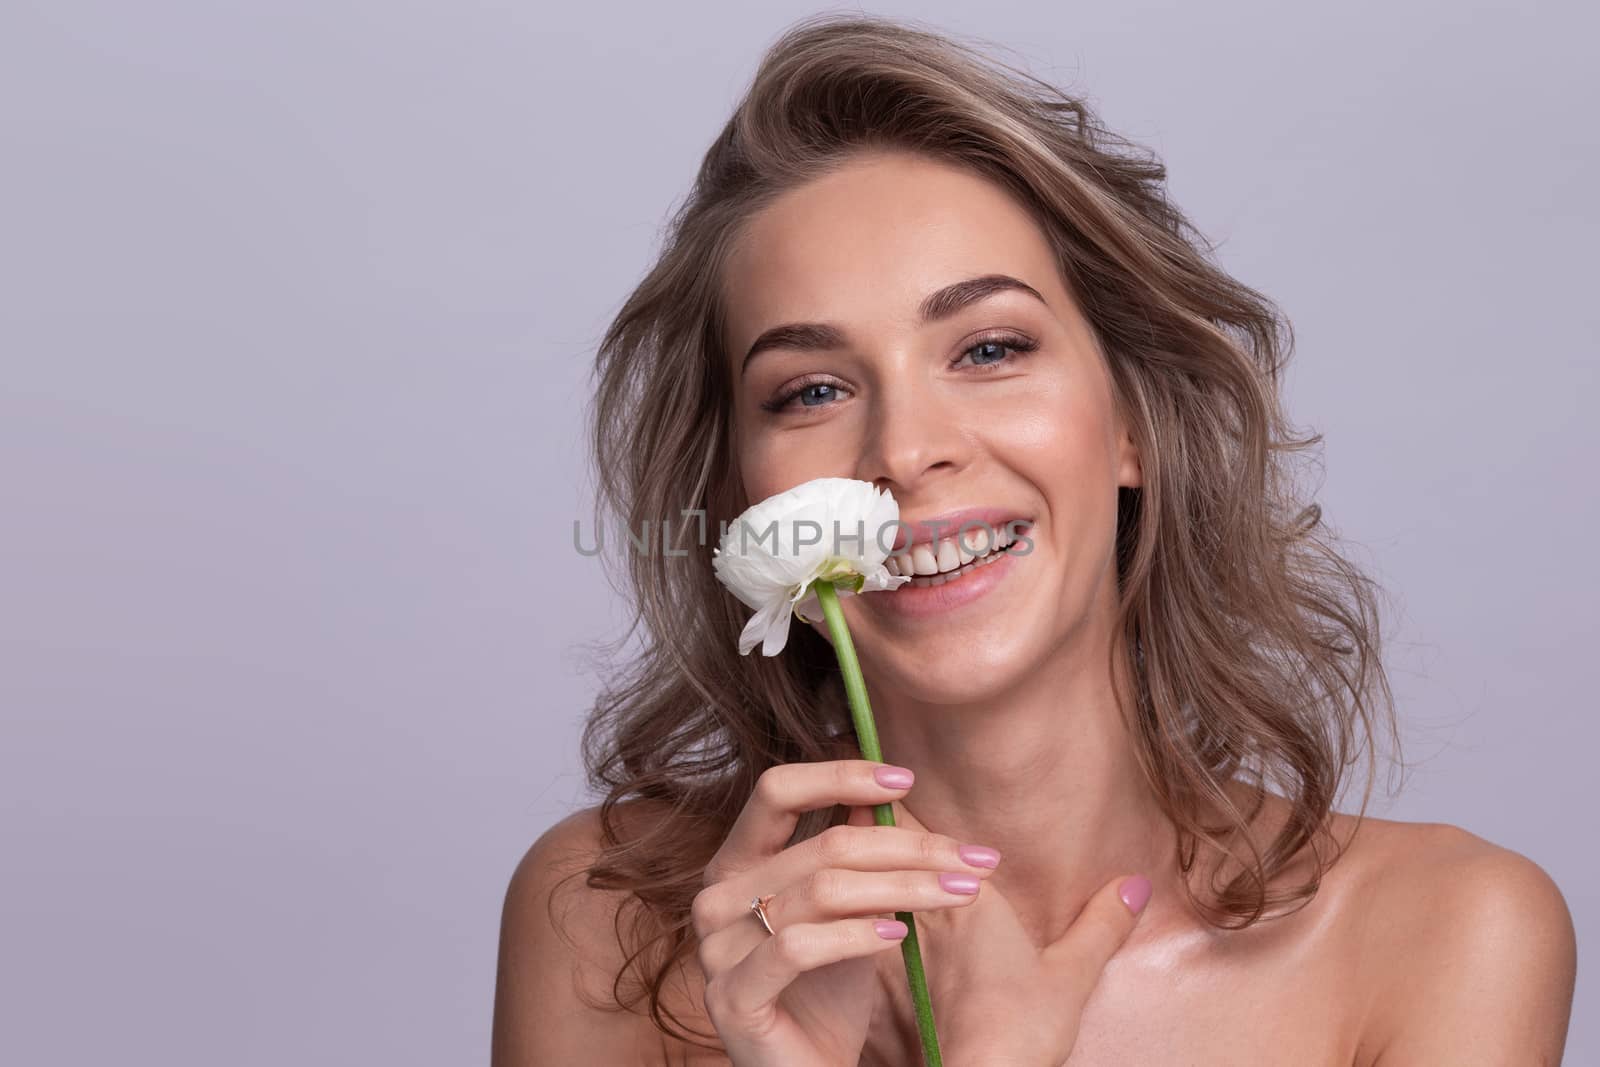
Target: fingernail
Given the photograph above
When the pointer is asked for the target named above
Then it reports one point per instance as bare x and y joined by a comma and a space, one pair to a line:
890, 929
979, 856
893, 777
959, 883
1135, 892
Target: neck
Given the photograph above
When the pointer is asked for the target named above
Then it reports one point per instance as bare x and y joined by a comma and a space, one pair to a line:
1044, 771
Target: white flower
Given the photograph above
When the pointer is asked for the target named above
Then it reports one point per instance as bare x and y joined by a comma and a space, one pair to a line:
834, 529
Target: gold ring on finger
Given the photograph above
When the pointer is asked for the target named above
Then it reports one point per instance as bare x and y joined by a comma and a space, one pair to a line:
759, 906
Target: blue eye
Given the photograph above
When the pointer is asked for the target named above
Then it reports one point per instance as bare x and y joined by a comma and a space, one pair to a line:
806, 392
1016, 343
815, 392
807, 396
995, 345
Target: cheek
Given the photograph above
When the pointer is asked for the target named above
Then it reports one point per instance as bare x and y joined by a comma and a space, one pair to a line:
767, 468
1058, 443
772, 460
1059, 439
772, 463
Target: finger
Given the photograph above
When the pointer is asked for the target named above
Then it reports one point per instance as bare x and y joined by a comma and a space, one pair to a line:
743, 998
1102, 927
859, 848
838, 893
833, 894
786, 791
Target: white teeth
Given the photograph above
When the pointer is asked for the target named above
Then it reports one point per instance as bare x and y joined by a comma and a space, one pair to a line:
936, 564
965, 554
981, 539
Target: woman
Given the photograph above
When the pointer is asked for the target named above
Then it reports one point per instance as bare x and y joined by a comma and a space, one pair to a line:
909, 265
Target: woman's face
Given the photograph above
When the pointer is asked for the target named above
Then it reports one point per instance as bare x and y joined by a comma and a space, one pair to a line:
946, 411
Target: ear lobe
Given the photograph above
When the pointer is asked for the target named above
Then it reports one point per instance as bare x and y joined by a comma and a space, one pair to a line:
1130, 470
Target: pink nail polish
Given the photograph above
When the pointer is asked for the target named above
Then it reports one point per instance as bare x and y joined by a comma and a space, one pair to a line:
893, 777
979, 856
1135, 892
890, 929
959, 883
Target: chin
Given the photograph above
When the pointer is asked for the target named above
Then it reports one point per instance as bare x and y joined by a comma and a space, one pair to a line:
957, 670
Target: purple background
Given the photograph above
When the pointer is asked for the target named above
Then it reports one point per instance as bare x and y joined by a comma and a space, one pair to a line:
299, 305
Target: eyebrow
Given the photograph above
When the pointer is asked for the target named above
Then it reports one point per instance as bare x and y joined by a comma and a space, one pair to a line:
821, 336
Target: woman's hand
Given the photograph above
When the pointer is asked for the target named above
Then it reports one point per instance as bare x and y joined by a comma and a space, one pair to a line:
803, 996
998, 999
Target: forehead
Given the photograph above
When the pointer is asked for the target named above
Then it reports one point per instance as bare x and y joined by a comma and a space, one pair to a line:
865, 244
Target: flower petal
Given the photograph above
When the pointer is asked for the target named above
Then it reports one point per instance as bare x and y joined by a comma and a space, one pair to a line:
768, 627
877, 580
777, 636
762, 561
880, 579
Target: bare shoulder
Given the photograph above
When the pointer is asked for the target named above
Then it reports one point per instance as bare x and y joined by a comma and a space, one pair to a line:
1469, 947
562, 950
552, 955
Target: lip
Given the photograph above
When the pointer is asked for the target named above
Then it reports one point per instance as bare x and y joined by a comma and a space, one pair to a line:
920, 602
929, 528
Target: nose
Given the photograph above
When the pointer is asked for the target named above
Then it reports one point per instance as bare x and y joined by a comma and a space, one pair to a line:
913, 438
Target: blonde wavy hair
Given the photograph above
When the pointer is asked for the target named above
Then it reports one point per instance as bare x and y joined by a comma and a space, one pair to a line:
1255, 642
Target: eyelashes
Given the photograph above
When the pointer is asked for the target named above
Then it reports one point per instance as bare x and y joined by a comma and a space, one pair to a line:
1015, 343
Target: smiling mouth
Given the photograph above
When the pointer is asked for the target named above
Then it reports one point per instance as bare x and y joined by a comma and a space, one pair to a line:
974, 551
956, 575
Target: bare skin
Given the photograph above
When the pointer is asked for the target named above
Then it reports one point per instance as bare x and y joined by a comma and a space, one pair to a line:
1424, 945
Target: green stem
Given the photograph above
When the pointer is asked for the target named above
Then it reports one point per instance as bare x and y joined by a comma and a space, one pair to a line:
883, 814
